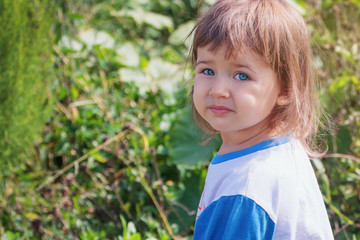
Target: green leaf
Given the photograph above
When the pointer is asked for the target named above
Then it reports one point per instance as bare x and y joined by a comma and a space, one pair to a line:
189, 196
31, 216
355, 82
343, 139
136, 236
334, 96
341, 215
123, 223
185, 139
10, 236
76, 16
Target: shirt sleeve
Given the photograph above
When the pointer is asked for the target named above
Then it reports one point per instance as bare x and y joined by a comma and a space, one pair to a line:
234, 217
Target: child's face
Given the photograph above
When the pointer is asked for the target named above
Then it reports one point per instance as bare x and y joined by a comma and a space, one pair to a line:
234, 94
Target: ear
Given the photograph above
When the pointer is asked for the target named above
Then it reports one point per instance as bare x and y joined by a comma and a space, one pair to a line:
282, 99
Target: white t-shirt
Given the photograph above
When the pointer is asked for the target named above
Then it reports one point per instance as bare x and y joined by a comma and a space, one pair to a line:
267, 191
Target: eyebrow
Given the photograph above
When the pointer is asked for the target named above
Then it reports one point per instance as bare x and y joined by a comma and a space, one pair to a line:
243, 66
203, 62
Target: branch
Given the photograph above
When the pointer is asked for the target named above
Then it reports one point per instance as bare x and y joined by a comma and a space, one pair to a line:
339, 155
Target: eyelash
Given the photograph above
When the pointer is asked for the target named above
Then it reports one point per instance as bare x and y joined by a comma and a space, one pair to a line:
205, 71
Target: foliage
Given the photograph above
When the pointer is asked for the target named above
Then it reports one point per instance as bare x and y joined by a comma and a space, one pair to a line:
25, 65
120, 157
105, 146
335, 28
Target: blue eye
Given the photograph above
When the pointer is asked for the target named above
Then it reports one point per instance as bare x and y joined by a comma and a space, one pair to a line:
241, 77
208, 72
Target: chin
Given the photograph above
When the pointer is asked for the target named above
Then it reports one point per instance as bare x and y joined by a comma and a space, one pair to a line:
222, 128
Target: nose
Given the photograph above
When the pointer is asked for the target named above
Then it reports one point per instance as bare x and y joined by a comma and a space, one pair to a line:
220, 88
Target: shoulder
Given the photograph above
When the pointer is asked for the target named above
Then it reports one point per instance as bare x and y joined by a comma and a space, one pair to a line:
274, 174
284, 184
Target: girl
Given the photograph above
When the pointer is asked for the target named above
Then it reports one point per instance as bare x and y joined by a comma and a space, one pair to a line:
253, 86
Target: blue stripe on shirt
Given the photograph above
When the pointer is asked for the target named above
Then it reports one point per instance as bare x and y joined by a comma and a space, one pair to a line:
234, 217
257, 147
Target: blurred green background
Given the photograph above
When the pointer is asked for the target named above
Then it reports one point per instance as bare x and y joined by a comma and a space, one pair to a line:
96, 136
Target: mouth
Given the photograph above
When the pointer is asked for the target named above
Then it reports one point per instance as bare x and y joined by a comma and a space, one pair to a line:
220, 110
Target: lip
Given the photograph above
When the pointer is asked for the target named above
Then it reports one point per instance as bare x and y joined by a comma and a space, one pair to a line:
220, 110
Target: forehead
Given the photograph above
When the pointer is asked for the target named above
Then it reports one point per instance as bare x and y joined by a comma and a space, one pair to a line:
243, 55
223, 47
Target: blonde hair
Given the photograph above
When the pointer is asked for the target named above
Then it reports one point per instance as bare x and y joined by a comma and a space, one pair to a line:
274, 30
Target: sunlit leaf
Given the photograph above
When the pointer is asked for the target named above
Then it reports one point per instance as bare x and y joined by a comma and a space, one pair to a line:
179, 35
341, 215
31, 216
165, 74
128, 55
334, 96
356, 82
133, 75
70, 43
92, 37
357, 2
140, 16
131, 228
344, 52
98, 157
157, 20
354, 49
136, 236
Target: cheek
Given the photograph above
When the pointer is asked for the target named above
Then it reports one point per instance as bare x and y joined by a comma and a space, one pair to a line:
268, 103
272, 97
198, 95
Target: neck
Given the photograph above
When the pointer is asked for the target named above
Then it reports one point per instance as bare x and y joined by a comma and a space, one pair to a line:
234, 141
